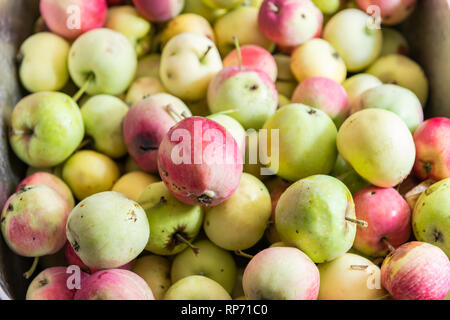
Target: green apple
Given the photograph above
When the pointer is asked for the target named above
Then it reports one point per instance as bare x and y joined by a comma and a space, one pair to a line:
223, 4
104, 59
283, 101
242, 23
172, 223
431, 216
344, 172
148, 66
350, 277
188, 63
306, 143
286, 88
246, 212
283, 62
327, 6
233, 127
106, 135
200, 8
393, 43
126, 20
358, 84
238, 290
403, 71
211, 261
315, 213
142, 88
46, 128
43, 62
378, 145
196, 288
155, 270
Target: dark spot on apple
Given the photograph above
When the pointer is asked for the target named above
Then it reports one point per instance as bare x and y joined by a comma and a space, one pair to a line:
43, 283
205, 199
162, 287
296, 231
2, 219
132, 216
335, 55
393, 81
254, 87
438, 236
373, 192
221, 270
82, 205
162, 200
10, 207
303, 16
169, 75
312, 111
428, 167
207, 223
34, 238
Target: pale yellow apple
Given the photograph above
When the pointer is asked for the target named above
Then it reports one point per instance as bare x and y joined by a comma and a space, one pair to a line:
142, 88
155, 270
133, 183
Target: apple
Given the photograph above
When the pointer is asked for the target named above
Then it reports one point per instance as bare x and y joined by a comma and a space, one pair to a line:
254, 163
401, 70
350, 277
324, 94
242, 23
88, 172
233, 127
283, 101
148, 66
142, 88
211, 261
238, 290
247, 212
317, 58
196, 288
155, 270
199, 108
393, 43
401, 101
283, 63
107, 230
146, 124
43, 62
392, 12
378, 145
276, 188
357, 85
173, 224
317, 214
133, 184
126, 20
416, 271
73, 259
61, 17
349, 33
187, 22
104, 59
223, 4
200, 8
430, 219
281, 274
159, 10
285, 88
289, 23
432, 148
327, 6
344, 172
306, 143
188, 63
36, 134
389, 220
249, 92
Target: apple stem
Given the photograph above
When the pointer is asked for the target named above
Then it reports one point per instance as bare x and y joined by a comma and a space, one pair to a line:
243, 254
359, 267
30, 272
206, 53
174, 113
388, 245
362, 223
273, 7
83, 144
238, 51
185, 241
83, 88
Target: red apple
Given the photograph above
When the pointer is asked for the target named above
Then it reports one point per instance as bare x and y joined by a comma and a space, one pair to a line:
255, 57
62, 16
159, 10
416, 271
289, 23
432, 140
73, 259
392, 11
388, 216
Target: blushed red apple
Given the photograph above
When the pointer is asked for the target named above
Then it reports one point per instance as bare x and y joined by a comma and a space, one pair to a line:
159, 10
392, 11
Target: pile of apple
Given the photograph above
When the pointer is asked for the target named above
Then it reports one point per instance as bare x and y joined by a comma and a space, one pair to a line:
126, 182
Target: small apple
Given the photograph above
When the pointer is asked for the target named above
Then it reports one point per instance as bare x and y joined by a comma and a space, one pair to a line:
196, 288
46, 127
392, 12
200, 8
133, 184
394, 43
142, 88
327, 7
358, 84
188, 63
159, 10
155, 270
148, 66
223, 4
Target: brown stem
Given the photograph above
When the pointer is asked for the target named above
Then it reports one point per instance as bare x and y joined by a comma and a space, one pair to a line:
190, 245
30, 272
206, 53
388, 245
359, 267
243, 254
362, 223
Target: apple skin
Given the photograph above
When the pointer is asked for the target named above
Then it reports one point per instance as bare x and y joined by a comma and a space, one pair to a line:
145, 126
344, 172
402, 71
324, 94
392, 11
126, 20
107, 55
357, 85
289, 23
46, 127
394, 43
388, 216
148, 66
107, 135
248, 91
281, 273
283, 62
254, 57
196, 288
416, 271
276, 191
317, 58
73, 259
200, 8
132, 184
43, 65
233, 126
142, 88
401, 101
431, 218
210, 171
223, 4
33, 221
55, 13
432, 149
378, 145
114, 284
155, 270
159, 10
51, 284
188, 63
51, 181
